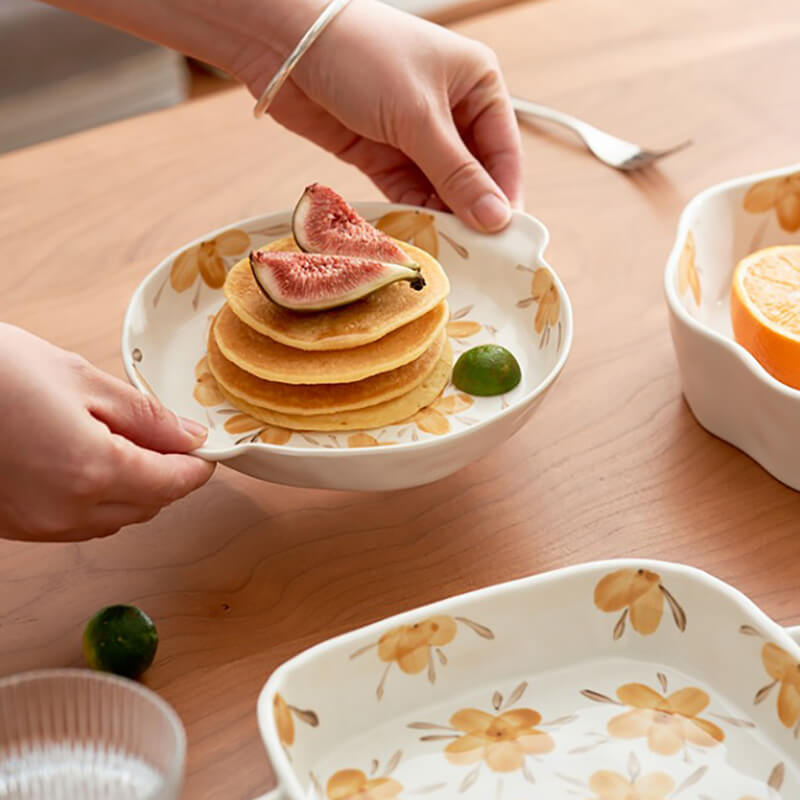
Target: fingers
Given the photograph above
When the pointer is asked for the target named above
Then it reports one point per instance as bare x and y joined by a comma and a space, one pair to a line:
490, 127
150, 479
394, 173
458, 177
140, 417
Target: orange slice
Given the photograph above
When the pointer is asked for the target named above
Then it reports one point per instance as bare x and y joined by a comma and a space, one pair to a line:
765, 310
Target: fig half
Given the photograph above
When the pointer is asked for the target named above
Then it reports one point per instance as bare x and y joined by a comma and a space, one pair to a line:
319, 281
323, 222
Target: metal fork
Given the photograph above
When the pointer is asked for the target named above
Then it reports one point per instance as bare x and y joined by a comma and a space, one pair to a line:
611, 150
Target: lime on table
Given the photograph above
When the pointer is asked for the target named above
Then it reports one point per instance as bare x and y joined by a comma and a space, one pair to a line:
120, 639
486, 370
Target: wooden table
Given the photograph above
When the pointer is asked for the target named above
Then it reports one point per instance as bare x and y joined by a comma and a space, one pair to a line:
243, 575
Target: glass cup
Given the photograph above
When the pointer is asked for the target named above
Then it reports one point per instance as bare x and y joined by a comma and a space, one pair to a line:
73, 734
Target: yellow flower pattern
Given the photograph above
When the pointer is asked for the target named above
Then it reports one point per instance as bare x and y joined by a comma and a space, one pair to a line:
415, 227
640, 595
785, 671
353, 784
608, 785
688, 277
781, 194
501, 741
207, 260
283, 714
668, 723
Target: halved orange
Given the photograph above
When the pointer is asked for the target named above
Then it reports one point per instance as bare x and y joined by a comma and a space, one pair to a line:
765, 310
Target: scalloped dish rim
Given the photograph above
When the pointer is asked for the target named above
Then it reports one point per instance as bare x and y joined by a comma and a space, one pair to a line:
677, 307
235, 450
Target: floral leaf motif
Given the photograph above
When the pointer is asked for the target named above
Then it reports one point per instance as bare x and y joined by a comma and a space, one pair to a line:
516, 695
391, 765
497, 700
694, 778
763, 692
749, 630
776, 777
459, 248
662, 681
469, 780
462, 312
597, 697
428, 726
634, 767
527, 773
619, 628
306, 715
678, 614
481, 630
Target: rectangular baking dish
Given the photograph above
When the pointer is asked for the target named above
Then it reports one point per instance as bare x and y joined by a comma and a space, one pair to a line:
607, 681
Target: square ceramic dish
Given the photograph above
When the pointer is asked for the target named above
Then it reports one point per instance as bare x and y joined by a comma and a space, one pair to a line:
618, 680
728, 391
503, 291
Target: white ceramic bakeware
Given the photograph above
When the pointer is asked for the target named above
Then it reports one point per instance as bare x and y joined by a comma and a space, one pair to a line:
503, 291
728, 391
617, 680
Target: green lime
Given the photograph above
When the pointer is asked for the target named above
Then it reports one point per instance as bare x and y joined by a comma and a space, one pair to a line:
120, 639
486, 370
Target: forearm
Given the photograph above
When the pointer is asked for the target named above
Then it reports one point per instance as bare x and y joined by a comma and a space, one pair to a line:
243, 37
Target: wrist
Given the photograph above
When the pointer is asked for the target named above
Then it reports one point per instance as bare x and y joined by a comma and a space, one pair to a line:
277, 28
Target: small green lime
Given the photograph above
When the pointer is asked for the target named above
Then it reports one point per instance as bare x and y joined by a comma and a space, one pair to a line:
486, 370
120, 639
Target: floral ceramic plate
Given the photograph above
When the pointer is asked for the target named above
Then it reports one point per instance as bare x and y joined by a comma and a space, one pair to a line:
729, 392
617, 680
502, 291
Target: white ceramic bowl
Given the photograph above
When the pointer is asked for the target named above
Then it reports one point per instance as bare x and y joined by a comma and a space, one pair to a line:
610, 680
728, 391
502, 291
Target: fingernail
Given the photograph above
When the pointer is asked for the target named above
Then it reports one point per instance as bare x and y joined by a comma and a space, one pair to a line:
491, 212
193, 428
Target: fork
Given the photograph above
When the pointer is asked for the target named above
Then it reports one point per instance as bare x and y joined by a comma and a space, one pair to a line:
611, 150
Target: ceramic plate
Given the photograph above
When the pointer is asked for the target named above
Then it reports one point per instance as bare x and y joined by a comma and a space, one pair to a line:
618, 680
729, 392
502, 291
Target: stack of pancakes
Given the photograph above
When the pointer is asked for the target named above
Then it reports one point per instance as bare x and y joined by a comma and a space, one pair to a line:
368, 364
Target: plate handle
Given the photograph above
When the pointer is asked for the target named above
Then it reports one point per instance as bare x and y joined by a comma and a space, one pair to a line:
795, 633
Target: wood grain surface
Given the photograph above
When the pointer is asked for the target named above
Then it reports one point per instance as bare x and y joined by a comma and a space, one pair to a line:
243, 575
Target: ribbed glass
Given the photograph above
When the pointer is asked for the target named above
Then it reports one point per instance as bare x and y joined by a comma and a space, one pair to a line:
83, 735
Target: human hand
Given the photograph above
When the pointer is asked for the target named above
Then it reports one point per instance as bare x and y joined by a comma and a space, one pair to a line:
83, 454
422, 111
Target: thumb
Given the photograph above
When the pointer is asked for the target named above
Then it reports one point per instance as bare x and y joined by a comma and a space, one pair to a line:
141, 419
460, 180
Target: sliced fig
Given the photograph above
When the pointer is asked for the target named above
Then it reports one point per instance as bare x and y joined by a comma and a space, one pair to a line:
319, 281
323, 222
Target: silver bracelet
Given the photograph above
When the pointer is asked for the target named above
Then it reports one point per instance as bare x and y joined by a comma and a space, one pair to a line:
274, 86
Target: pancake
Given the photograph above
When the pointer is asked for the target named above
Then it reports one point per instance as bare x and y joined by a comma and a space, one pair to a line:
261, 356
353, 325
324, 398
377, 416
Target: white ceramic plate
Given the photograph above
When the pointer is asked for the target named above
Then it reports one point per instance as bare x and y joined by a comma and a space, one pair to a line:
616, 680
502, 291
728, 391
